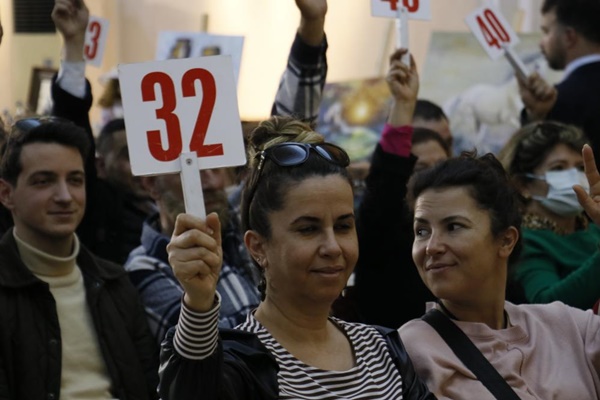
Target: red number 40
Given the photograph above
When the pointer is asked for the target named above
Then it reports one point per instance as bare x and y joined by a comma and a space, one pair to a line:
411, 5
166, 113
497, 33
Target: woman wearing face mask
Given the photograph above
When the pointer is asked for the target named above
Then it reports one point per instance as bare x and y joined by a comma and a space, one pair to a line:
560, 259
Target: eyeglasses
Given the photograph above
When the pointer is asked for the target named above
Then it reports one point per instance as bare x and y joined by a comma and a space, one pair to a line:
27, 124
292, 154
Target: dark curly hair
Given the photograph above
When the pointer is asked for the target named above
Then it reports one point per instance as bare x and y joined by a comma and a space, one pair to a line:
486, 181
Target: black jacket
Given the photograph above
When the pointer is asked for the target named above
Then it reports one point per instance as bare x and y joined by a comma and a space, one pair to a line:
242, 368
30, 338
388, 289
578, 103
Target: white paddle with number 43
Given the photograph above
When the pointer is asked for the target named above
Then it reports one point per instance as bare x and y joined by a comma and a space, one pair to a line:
417, 9
402, 11
496, 36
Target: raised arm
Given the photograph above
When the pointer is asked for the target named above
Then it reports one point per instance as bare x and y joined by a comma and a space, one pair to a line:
71, 19
385, 273
72, 97
301, 86
71, 94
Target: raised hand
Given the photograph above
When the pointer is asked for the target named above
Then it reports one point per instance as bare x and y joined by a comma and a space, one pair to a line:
312, 23
538, 96
312, 9
71, 18
404, 85
196, 256
590, 201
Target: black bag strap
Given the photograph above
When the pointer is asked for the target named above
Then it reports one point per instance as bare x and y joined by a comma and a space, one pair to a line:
470, 355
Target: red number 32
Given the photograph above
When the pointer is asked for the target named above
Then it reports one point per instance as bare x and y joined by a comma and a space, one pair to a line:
166, 113
411, 5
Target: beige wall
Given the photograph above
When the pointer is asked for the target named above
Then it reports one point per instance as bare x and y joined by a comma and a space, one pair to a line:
18, 54
5, 86
359, 44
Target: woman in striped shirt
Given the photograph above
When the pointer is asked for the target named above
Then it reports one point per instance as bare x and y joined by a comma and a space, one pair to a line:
298, 214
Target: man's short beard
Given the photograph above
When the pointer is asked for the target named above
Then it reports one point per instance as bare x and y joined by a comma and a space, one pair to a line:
556, 64
218, 197
557, 60
175, 205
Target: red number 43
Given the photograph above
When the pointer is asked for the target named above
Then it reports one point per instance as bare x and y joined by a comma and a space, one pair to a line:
411, 5
171, 120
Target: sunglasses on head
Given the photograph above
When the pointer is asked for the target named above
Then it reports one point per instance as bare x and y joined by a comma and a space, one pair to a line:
27, 124
292, 154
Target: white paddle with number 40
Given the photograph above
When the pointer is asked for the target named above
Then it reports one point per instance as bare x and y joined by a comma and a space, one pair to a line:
182, 116
496, 36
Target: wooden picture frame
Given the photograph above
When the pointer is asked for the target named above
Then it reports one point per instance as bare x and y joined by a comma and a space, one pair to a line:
39, 89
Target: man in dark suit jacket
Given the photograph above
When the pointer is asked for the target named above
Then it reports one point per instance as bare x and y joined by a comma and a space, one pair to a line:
570, 42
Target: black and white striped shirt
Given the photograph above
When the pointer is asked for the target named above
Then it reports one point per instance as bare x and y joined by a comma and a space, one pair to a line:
373, 377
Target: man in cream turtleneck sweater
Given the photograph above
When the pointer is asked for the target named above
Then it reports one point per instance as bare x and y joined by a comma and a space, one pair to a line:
71, 324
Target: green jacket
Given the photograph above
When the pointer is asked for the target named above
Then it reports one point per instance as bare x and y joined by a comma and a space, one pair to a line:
561, 267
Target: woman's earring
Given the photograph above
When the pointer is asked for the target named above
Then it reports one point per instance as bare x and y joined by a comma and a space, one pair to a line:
262, 288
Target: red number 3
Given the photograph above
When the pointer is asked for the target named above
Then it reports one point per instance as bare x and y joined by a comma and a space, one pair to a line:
411, 5
166, 113
90, 51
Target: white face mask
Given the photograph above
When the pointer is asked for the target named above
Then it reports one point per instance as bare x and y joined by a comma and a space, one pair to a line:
561, 198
